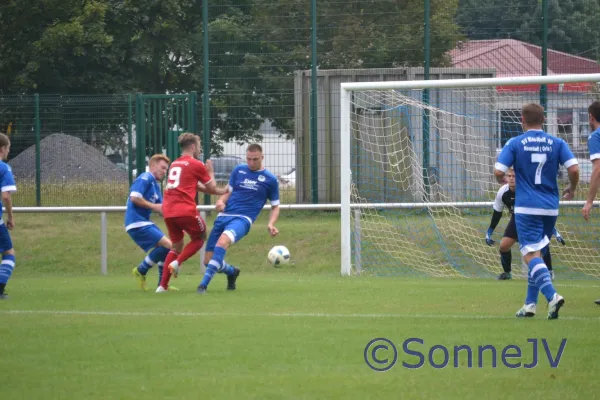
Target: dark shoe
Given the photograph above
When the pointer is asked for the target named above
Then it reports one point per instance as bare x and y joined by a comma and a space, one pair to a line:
232, 278
201, 290
504, 276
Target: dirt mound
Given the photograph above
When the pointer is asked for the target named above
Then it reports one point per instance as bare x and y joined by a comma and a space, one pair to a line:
66, 158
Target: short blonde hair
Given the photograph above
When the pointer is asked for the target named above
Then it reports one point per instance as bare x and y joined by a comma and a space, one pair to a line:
159, 157
187, 139
254, 147
4, 140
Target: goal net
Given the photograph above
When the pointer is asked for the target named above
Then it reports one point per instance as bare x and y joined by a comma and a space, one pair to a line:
417, 183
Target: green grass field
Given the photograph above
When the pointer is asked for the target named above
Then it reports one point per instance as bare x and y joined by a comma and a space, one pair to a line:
296, 332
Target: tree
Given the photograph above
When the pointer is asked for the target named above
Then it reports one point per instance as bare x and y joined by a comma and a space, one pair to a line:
571, 25
360, 34
76, 47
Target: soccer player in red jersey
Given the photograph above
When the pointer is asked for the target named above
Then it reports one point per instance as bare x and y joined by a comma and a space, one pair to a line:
187, 175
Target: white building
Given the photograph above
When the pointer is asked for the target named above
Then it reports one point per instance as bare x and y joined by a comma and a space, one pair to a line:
280, 153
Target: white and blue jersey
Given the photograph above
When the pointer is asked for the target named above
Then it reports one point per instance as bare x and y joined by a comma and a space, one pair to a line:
7, 184
594, 145
7, 181
536, 157
250, 191
137, 219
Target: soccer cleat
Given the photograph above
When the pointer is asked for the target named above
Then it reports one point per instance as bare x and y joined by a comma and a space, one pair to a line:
597, 302
504, 276
174, 270
554, 305
552, 274
201, 289
232, 278
141, 278
160, 289
528, 310
3, 296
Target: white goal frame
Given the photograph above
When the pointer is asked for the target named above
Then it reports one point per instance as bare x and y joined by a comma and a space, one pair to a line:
345, 143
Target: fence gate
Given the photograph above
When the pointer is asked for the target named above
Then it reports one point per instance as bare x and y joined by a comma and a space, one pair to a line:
159, 119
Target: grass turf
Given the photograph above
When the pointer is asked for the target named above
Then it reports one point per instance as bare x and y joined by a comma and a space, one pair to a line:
293, 332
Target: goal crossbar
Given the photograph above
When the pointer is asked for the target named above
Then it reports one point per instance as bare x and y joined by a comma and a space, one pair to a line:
470, 82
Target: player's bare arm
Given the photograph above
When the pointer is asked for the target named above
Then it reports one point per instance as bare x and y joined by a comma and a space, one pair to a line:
273, 231
212, 188
593, 190
140, 202
499, 176
7, 202
222, 201
573, 172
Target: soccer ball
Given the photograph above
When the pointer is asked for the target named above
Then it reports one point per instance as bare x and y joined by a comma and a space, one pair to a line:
278, 256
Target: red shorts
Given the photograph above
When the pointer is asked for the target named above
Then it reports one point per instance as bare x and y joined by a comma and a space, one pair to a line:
192, 225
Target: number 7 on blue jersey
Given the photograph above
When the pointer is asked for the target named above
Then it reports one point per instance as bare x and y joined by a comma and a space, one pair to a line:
540, 159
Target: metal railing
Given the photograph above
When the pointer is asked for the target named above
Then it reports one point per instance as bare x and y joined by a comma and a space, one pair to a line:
103, 210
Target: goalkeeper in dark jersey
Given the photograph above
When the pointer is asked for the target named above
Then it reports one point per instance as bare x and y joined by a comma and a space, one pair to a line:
506, 198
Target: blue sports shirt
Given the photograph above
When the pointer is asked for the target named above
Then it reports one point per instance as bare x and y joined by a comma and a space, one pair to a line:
594, 145
7, 181
250, 190
146, 187
535, 156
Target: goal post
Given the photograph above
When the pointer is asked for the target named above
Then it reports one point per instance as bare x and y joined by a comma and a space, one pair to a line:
416, 177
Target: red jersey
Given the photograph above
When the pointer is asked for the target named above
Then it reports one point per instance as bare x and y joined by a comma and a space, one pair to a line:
180, 193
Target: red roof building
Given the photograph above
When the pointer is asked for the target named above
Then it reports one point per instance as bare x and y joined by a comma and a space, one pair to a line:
515, 58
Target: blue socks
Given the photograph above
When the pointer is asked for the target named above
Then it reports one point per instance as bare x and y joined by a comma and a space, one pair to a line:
211, 270
6, 268
156, 256
227, 269
532, 291
540, 277
218, 256
216, 264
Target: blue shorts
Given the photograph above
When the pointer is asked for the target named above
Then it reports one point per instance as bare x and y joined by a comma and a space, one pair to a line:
5, 242
146, 236
534, 231
234, 227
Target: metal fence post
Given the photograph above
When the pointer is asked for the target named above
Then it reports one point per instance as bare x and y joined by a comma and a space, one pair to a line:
544, 88
314, 136
205, 91
38, 166
103, 245
129, 139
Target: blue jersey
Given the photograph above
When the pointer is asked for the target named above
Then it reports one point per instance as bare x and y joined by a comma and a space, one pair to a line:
594, 145
147, 188
250, 190
7, 181
535, 156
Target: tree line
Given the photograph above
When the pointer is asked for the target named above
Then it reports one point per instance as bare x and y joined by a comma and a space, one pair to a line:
156, 46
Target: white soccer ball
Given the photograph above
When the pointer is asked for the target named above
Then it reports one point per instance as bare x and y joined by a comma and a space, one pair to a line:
278, 256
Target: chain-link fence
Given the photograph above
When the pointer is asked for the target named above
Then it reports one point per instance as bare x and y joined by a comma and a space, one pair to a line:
258, 71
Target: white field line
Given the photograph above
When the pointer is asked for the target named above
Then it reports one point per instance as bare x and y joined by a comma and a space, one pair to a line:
272, 315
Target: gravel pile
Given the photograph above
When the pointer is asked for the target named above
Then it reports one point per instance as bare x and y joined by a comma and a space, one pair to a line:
66, 158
